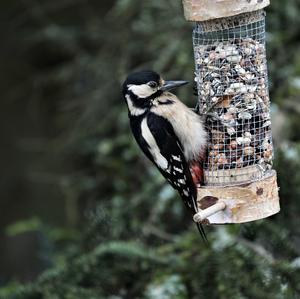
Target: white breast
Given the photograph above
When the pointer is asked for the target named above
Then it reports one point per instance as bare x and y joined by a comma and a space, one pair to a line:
187, 125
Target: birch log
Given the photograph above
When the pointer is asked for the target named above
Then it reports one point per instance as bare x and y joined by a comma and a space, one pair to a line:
203, 10
247, 202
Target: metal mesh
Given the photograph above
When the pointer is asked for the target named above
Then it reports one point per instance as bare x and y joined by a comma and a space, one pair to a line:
232, 87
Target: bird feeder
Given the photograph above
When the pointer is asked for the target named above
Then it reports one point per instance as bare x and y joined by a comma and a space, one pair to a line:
232, 87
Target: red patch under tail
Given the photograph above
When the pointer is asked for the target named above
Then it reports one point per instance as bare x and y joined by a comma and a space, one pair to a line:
197, 172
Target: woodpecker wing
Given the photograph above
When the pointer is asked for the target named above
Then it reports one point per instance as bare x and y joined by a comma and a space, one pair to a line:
175, 168
158, 141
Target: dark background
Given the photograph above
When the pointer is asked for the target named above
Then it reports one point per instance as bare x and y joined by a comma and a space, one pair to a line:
82, 213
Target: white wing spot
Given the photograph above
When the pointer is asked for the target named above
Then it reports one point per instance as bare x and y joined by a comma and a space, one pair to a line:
178, 169
186, 193
176, 158
160, 160
181, 181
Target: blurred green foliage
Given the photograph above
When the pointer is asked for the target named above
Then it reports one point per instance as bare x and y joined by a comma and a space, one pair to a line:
107, 224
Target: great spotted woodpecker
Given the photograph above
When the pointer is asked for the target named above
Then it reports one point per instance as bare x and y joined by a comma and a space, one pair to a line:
169, 133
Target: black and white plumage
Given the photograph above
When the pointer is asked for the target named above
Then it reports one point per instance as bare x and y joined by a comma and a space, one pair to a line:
170, 134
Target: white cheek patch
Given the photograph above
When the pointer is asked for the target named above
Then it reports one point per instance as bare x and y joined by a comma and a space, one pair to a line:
142, 91
160, 160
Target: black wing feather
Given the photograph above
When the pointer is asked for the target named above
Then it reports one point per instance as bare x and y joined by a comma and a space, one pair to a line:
178, 172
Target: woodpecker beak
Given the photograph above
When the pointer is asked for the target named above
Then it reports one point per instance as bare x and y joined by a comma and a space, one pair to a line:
168, 85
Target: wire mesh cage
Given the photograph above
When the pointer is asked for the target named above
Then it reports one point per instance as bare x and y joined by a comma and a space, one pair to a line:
232, 86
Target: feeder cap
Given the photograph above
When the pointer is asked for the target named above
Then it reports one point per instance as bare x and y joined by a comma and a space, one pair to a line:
203, 10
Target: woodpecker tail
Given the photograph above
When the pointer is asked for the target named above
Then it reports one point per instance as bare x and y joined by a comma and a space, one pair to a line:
202, 232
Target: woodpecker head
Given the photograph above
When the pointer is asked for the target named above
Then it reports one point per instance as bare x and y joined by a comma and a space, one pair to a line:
141, 88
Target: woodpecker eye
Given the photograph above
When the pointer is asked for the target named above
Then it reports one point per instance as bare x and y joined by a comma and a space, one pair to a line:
152, 84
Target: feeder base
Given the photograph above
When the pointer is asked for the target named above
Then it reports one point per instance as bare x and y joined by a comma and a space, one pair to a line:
246, 202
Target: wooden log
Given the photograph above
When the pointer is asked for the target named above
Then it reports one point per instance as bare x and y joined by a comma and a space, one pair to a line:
247, 202
203, 10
